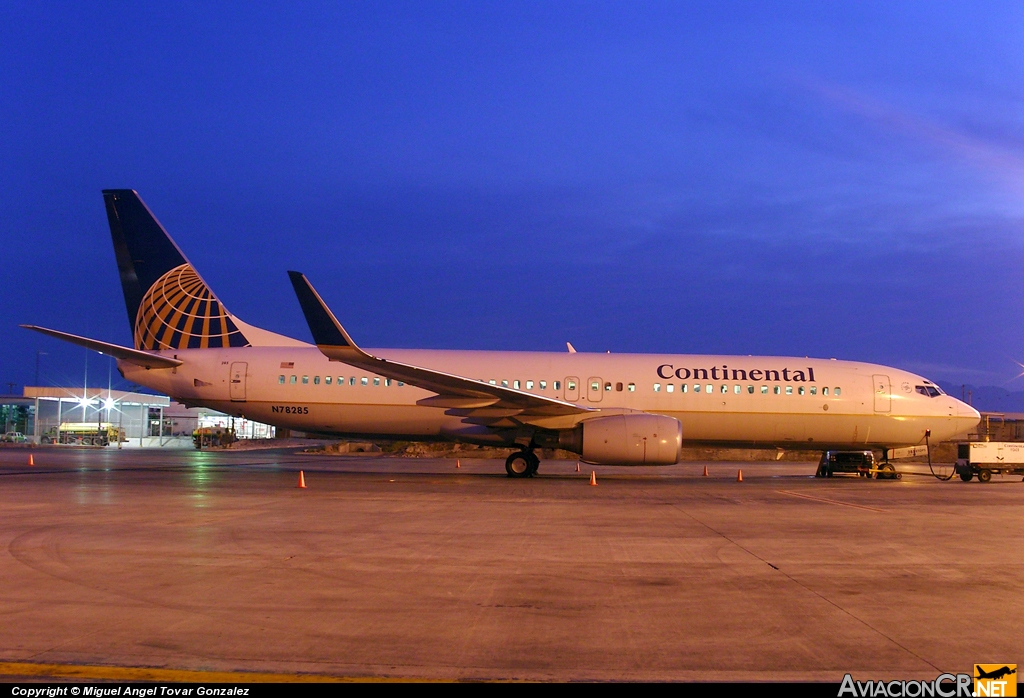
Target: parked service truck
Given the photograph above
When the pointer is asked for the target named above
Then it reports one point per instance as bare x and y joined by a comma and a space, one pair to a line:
84, 433
982, 458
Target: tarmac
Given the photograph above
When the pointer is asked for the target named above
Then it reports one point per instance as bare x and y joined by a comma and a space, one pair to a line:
176, 562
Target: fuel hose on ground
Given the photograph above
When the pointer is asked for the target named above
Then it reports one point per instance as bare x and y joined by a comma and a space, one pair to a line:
927, 434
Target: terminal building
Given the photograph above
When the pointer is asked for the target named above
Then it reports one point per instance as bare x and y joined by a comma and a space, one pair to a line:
149, 421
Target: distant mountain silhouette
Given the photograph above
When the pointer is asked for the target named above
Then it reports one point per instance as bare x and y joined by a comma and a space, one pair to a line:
987, 398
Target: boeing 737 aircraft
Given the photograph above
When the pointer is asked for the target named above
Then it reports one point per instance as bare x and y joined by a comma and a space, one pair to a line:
612, 409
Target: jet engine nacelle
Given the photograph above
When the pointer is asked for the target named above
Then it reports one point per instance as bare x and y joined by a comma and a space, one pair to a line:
628, 439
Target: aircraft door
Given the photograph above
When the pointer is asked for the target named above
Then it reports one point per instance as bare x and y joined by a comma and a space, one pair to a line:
594, 390
572, 389
883, 393
238, 381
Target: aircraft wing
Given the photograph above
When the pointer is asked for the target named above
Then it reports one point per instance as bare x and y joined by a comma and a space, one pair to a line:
479, 401
134, 356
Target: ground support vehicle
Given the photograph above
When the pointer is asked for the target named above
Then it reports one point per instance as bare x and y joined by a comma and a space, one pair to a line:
860, 462
83, 434
207, 437
13, 437
982, 459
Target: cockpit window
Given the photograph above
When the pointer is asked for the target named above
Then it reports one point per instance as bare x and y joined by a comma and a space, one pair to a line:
928, 390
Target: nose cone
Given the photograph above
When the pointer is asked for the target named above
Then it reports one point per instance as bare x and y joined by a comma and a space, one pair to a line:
967, 412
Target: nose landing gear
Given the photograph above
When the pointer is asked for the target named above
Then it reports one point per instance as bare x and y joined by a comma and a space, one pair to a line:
522, 464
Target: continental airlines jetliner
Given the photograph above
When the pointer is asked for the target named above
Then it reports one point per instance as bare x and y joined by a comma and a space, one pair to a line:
613, 409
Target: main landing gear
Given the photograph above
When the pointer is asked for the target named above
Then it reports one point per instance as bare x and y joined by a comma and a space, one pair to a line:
522, 464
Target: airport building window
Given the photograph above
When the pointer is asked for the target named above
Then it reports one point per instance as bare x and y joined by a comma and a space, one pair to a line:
837, 392
764, 389
557, 385
292, 380
316, 380
515, 384
750, 389
631, 387
824, 391
670, 387
657, 387
280, 380
814, 390
327, 380
789, 390
376, 381
305, 380
529, 385
777, 390
618, 387
364, 380
543, 385
683, 388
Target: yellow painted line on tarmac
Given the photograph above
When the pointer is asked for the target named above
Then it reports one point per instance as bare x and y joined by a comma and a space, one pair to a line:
831, 501
124, 673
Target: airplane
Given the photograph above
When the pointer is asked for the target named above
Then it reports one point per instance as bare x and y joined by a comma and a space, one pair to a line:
611, 409
996, 674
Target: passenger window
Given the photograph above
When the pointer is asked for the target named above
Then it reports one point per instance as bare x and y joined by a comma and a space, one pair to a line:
669, 387
280, 380
595, 386
618, 387
837, 392
814, 390
631, 387
316, 380
709, 388
529, 385
376, 381
789, 390
292, 380
493, 382
504, 384
364, 381
387, 382
725, 389
736, 389
305, 380
764, 389
400, 384
327, 380
543, 385
750, 389
777, 390
824, 391
683, 388
657, 387
352, 380
800, 390
696, 387
608, 387
557, 385
515, 384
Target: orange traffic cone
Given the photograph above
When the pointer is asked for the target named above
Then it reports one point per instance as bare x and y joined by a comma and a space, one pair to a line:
577, 466
705, 471
739, 476
31, 460
458, 462
593, 478
302, 481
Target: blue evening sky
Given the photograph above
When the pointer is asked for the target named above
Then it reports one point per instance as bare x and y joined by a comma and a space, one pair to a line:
827, 179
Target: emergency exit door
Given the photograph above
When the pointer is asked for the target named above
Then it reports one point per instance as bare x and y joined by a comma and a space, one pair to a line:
238, 381
883, 393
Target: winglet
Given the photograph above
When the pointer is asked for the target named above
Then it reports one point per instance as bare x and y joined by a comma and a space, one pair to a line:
326, 329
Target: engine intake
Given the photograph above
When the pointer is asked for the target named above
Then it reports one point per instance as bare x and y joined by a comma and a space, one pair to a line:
626, 439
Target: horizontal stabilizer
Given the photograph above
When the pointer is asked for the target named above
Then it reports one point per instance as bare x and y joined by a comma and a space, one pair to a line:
134, 356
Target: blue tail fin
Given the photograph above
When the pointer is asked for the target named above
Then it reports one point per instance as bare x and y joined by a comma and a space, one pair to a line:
169, 305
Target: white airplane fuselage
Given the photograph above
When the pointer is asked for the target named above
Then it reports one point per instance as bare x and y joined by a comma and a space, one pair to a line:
747, 401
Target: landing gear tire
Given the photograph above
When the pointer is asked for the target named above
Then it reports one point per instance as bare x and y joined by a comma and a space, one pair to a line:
966, 476
519, 464
888, 472
984, 475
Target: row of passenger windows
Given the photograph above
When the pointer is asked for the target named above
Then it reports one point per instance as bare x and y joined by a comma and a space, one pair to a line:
352, 380
738, 389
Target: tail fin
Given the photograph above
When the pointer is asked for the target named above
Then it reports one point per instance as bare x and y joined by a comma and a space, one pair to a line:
169, 305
